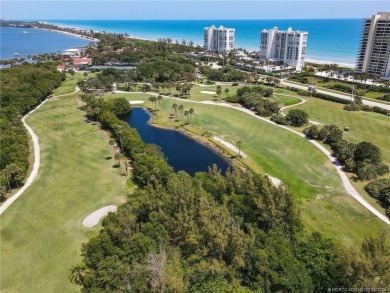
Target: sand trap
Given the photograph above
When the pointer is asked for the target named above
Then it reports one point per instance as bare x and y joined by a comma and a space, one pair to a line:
208, 92
136, 102
275, 181
229, 146
94, 218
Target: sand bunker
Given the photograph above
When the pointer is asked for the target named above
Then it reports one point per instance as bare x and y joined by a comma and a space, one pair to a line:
136, 102
208, 92
275, 181
229, 146
94, 218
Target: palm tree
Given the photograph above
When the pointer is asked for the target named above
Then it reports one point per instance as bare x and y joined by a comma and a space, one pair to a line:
181, 108
85, 75
153, 99
191, 111
239, 143
159, 98
187, 113
227, 91
174, 106
219, 91
358, 97
77, 275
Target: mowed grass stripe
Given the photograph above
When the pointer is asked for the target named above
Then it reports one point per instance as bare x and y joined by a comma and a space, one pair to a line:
42, 231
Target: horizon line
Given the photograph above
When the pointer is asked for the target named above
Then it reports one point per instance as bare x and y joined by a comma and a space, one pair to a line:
154, 19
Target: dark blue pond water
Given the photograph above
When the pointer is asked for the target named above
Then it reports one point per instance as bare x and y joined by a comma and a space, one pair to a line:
182, 152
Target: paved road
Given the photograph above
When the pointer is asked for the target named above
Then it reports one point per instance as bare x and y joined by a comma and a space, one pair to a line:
342, 96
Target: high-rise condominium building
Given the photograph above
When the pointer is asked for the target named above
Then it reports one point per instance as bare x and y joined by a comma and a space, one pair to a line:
219, 39
284, 47
374, 53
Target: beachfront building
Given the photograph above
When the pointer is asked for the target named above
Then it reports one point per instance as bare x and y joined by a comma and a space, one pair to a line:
287, 48
374, 53
219, 39
72, 53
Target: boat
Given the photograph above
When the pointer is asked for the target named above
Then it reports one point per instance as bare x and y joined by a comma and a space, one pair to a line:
25, 32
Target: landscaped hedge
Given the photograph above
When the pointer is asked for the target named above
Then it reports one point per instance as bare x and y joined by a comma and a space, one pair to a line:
322, 96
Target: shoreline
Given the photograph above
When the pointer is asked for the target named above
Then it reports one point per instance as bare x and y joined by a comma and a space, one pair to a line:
80, 36
341, 64
221, 151
316, 61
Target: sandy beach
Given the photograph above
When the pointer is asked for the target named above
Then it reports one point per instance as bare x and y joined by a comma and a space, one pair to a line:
71, 34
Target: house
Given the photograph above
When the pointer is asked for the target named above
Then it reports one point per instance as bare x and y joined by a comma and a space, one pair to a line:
60, 68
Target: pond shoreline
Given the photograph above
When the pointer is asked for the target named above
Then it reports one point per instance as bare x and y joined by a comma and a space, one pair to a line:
231, 160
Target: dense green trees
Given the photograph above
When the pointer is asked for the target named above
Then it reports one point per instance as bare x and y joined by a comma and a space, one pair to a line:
22, 88
297, 117
214, 232
254, 98
364, 159
380, 190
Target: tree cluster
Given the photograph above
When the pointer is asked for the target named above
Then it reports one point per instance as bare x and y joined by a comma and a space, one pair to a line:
380, 190
364, 159
214, 232
227, 73
22, 88
255, 98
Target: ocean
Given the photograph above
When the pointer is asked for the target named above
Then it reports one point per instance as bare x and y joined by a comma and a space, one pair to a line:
36, 41
329, 40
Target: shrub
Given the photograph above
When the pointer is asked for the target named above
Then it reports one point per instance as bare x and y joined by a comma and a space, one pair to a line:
279, 119
235, 84
264, 112
365, 108
304, 93
330, 134
385, 98
297, 117
311, 132
378, 188
352, 107
232, 99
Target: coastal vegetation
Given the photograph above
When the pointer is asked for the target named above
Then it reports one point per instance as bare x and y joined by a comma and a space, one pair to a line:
22, 88
144, 248
42, 232
210, 232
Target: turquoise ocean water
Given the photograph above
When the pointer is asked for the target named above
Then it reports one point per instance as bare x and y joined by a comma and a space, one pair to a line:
333, 40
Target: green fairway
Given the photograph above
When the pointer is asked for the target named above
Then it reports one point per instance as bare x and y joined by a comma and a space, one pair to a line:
69, 85
42, 232
368, 126
312, 178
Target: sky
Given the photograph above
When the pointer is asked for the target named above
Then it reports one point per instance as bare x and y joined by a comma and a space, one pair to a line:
189, 9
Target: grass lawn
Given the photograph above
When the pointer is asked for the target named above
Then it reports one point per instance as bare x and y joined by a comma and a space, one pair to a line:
69, 85
313, 180
367, 126
42, 232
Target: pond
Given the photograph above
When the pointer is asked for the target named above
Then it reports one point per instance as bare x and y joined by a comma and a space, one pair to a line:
181, 151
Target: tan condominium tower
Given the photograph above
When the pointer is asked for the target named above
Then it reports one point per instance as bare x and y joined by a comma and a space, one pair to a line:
374, 54
286, 48
219, 39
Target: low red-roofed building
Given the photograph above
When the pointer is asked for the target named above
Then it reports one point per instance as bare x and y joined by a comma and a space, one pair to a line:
60, 68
